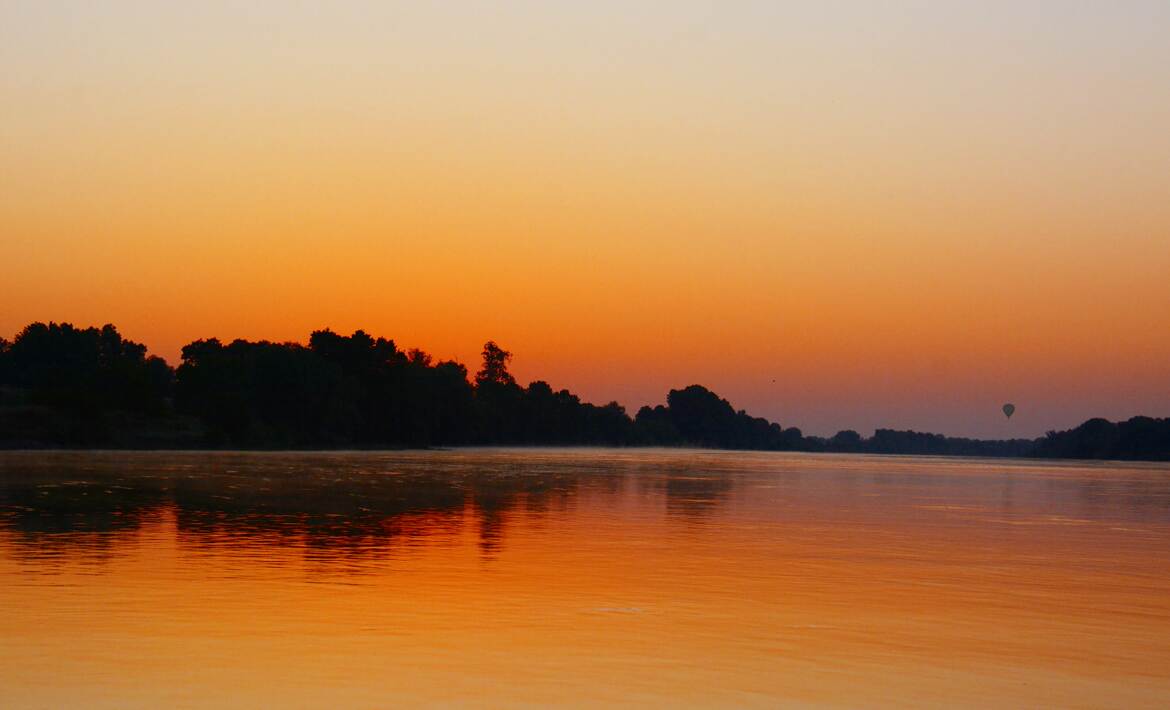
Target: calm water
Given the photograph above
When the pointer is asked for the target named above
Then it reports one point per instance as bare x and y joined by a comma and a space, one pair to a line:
638, 578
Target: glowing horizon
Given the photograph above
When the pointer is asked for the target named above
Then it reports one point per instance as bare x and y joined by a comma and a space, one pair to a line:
835, 217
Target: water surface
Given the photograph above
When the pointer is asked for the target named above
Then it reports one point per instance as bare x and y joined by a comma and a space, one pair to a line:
580, 577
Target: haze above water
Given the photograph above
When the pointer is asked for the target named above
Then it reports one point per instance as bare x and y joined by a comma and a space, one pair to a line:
534, 577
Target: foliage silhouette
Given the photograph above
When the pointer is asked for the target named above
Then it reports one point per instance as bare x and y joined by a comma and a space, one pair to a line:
60, 384
65, 386
1143, 438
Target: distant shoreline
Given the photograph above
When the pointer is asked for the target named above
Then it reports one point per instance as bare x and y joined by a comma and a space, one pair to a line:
551, 447
69, 388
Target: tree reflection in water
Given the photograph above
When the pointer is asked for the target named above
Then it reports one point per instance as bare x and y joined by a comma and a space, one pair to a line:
330, 506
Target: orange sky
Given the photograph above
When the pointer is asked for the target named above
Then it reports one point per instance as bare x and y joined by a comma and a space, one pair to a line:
835, 217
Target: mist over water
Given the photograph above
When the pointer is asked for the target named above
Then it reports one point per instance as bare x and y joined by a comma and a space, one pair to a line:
532, 577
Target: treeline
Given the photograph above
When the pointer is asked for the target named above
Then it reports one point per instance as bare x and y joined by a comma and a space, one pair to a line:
1138, 438
67, 386
891, 441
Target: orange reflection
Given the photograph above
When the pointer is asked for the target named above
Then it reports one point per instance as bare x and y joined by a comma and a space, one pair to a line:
666, 578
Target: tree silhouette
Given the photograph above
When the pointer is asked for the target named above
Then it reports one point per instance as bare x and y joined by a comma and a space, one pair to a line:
67, 386
495, 366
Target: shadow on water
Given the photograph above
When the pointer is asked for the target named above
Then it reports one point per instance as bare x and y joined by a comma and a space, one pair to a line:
335, 508
329, 506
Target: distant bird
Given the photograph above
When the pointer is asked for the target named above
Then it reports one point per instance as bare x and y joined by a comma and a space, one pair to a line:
1009, 409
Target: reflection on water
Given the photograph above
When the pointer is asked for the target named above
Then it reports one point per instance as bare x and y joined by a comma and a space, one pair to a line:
580, 577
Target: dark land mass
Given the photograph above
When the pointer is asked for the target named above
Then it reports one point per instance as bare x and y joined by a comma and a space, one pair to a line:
67, 387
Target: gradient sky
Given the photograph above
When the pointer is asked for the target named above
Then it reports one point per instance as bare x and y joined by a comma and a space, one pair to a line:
833, 214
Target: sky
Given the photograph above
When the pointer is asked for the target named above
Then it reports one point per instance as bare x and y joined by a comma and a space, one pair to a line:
835, 215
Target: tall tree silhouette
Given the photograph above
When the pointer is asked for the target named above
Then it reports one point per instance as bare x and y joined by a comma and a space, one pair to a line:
495, 366
500, 402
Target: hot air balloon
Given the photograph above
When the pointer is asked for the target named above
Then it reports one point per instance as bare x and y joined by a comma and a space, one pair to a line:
1009, 409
